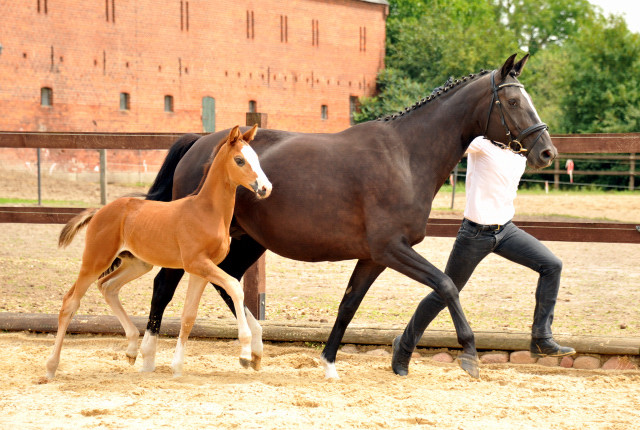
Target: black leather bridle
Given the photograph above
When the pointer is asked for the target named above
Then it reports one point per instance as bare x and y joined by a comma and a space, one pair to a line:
514, 144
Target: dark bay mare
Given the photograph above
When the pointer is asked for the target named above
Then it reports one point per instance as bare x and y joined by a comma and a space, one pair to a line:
364, 193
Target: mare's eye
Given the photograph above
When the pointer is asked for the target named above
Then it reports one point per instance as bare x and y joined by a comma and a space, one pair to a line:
239, 161
513, 102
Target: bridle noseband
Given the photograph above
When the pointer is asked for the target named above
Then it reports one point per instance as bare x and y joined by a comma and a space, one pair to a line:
514, 145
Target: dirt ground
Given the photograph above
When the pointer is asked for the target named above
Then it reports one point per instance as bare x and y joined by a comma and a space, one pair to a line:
96, 388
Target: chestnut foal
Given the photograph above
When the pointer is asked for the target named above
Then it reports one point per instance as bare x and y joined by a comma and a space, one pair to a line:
191, 234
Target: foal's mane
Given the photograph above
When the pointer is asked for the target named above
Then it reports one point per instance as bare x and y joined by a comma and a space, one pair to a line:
207, 166
450, 84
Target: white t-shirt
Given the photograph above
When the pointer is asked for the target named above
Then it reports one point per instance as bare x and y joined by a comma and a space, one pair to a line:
493, 175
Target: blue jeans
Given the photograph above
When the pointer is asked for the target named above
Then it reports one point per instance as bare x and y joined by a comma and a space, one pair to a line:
473, 243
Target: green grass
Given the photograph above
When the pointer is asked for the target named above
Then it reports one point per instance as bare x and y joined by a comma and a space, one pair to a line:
64, 203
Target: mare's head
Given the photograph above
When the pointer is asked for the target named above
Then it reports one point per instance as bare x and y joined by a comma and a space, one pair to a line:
242, 162
513, 120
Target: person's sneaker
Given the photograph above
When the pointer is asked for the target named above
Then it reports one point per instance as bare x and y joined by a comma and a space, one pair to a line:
549, 348
400, 359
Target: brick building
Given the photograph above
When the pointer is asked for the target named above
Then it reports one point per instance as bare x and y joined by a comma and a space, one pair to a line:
186, 65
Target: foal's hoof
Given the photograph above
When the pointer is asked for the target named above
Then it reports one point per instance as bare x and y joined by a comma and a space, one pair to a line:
469, 364
244, 362
132, 360
256, 362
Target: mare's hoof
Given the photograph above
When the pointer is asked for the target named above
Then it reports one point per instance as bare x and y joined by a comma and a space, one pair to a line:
469, 364
132, 360
244, 362
256, 362
399, 359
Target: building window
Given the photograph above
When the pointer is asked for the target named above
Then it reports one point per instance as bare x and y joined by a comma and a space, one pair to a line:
325, 112
315, 33
110, 10
168, 103
250, 21
284, 28
43, 6
46, 96
363, 39
125, 101
184, 15
253, 106
354, 106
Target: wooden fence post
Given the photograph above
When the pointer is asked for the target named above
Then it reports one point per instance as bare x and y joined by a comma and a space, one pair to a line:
255, 278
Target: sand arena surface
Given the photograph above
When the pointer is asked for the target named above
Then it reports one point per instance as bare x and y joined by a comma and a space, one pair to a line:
96, 388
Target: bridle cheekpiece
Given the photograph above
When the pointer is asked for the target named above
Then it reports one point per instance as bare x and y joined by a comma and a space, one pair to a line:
514, 144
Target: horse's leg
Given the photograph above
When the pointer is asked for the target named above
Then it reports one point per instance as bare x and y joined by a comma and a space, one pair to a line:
189, 313
243, 253
214, 274
164, 287
364, 274
130, 268
398, 255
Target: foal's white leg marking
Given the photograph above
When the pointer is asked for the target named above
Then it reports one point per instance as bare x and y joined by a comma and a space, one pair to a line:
329, 369
148, 351
178, 359
110, 285
256, 340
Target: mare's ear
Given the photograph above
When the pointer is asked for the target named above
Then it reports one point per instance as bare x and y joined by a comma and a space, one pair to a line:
507, 66
249, 135
517, 68
234, 134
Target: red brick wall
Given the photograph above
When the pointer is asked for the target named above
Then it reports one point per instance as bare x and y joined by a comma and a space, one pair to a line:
88, 60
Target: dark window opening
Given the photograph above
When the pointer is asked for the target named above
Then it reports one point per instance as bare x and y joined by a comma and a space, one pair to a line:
110, 10
363, 39
43, 6
168, 103
325, 112
354, 106
253, 106
184, 15
125, 101
284, 28
46, 96
315, 33
250, 25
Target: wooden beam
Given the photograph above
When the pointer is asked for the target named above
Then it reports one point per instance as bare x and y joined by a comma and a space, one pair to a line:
37, 214
279, 331
10, 139
615, 143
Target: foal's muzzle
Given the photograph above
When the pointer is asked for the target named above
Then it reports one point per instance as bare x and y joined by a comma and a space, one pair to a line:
262, 190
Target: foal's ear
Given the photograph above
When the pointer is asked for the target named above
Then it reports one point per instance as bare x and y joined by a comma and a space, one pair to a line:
249, 135
507, 66
234, 135
517, 68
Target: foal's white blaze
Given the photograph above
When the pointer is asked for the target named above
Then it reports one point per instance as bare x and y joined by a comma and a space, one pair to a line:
526, 96
251, 157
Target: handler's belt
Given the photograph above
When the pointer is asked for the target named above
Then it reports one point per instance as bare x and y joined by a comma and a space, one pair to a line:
486, 227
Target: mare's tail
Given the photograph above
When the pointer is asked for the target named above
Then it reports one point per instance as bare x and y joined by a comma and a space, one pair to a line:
161, 188
74, 226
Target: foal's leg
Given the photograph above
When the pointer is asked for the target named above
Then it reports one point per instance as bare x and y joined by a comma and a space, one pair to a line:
212, 273
364, 274
130, 268
399, 256
189, 313
70, 304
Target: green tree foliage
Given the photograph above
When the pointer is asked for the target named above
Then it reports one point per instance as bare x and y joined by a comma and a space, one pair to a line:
583, 75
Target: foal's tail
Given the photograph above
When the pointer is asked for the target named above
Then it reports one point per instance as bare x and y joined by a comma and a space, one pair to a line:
161, 189
74, 226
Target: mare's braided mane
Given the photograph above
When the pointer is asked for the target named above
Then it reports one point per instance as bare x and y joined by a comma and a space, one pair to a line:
438, 91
